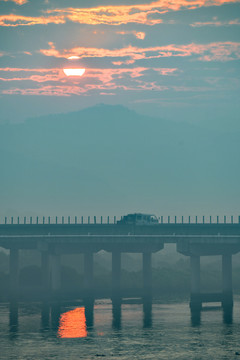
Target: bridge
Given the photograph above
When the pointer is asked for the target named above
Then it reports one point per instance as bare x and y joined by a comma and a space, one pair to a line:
193, 239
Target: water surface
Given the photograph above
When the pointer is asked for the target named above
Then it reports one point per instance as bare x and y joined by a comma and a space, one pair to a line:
77, 333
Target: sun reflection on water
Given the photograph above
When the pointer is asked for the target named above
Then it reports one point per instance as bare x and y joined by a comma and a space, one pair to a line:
72, 324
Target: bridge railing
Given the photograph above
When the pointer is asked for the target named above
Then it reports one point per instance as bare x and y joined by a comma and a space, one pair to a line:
35, 220
113, 220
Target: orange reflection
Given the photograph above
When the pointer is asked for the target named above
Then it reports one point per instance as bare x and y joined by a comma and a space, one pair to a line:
73, 324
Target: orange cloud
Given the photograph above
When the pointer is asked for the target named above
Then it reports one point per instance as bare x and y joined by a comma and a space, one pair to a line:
139, 13
18, 2
13, 20
146, 14
221, 51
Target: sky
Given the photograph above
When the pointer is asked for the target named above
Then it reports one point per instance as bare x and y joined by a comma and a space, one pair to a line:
151, 125
171, 59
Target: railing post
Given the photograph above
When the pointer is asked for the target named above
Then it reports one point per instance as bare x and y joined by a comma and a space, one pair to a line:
24, 220
49, 220
101, 219
62, 219
31, 220
88, 219
18, 220
11, 220
82, 219
175, 219
69, 219
75, 219
196, 219
189, 219
225, 220
108, 219
210, 219
56, 219
182, 220
95, 220
203, 220
37, 220
5, 220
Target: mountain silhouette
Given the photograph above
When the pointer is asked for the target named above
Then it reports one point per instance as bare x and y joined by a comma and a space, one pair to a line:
110, 157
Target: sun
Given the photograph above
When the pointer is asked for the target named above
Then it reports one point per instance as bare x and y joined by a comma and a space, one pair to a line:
74, 72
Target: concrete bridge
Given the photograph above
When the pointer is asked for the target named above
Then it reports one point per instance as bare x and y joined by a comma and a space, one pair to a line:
53, 240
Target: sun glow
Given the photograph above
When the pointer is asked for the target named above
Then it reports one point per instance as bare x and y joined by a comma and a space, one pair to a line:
73, 57
74, 72
73, 324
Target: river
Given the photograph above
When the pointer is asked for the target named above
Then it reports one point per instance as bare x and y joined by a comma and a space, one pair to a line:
168, 333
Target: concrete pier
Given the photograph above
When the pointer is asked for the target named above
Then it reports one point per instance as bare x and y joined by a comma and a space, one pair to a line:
14, 274
116, 276
55, 273
147, 275
88, 275
46, 276
227, 291
195, 300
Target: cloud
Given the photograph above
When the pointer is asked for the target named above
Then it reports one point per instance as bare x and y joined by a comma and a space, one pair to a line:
147, 14
217, 51
18, 2
216, 22
104, 81
139, 13
139, 34
14, 20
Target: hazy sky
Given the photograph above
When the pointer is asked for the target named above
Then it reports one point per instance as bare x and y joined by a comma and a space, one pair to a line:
174, 59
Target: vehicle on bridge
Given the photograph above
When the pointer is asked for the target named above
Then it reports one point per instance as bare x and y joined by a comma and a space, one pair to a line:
139, 219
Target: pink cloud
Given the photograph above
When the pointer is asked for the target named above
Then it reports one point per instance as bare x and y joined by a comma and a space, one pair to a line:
104, 81
218, 51
139, 34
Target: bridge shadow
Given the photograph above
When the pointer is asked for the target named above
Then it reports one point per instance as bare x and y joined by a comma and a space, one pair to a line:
147, 313
117, 314
227, 315
13, 318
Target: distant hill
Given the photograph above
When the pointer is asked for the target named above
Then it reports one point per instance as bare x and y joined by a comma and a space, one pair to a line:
111, 159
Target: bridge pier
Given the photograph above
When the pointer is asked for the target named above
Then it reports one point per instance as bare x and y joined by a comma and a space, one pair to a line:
55, 273
227, 291
195, 299
116, 276
45, 270
88, 276
147, 276
14, 274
